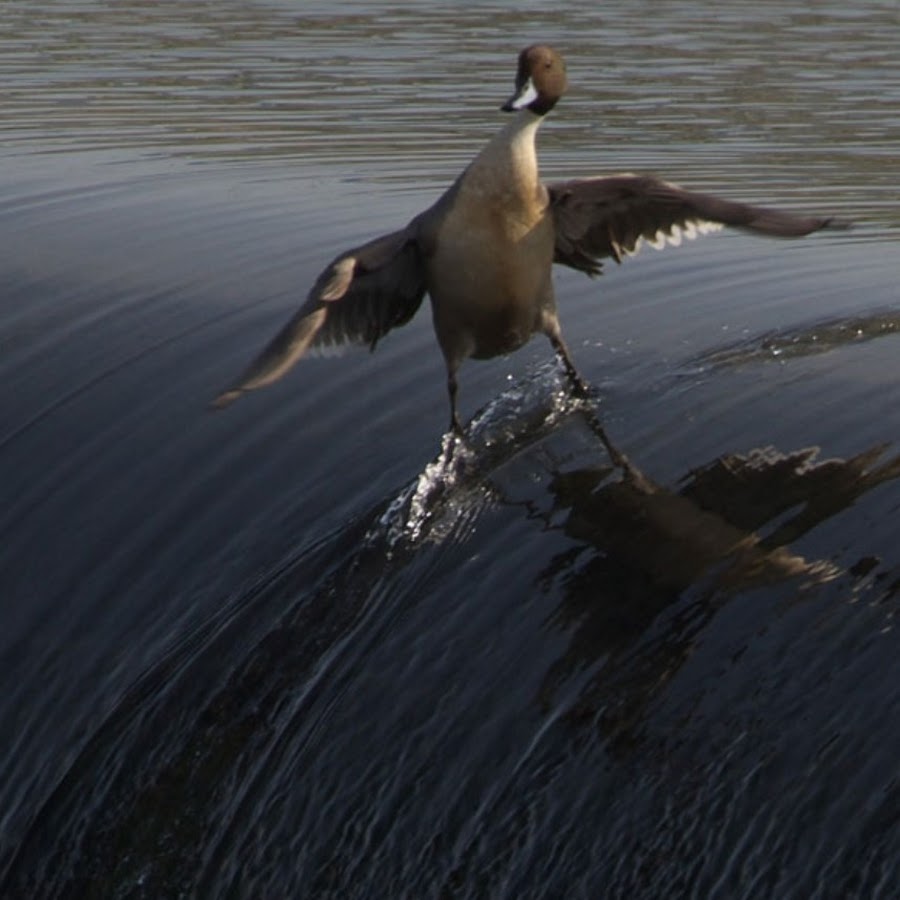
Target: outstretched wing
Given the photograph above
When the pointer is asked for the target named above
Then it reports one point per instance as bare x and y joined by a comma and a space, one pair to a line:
610, 217
358, 298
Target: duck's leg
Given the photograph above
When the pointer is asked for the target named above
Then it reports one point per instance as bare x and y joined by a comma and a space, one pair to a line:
455, 424
580, 387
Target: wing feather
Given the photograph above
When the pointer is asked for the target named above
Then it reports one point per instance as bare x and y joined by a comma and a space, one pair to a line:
596, 218
357, 299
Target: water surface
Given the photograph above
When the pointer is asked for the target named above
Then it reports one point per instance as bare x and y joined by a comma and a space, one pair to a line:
639, 646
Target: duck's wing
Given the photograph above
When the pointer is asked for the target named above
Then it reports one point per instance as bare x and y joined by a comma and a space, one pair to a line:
610, 217
358, 298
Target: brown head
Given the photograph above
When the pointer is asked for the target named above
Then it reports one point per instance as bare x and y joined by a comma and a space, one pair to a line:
540, 80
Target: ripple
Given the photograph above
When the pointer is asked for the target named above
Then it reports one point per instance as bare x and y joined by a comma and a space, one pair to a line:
818, 337
232, 81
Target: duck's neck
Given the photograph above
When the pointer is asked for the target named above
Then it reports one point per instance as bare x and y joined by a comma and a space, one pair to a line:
508, 163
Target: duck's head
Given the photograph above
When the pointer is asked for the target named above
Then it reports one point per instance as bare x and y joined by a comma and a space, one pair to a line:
540, 80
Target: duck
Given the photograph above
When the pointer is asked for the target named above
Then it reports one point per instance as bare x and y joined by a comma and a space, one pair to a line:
485, 250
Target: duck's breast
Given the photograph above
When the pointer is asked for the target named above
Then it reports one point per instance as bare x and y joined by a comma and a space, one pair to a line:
489, 273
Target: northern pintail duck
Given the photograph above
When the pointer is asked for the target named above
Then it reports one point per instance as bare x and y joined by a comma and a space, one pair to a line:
484, 251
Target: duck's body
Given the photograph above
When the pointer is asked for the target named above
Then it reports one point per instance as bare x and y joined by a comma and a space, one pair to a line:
488, 271
485, 251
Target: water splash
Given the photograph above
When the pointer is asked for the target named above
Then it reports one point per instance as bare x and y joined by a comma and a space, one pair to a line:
439, 502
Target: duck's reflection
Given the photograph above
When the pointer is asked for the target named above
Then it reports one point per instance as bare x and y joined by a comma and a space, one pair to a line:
642, 546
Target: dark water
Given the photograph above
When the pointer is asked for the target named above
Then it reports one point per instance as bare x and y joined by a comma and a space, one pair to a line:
641, 646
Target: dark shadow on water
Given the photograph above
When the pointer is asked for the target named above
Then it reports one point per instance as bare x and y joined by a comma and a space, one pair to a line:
642, 547
155, 802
